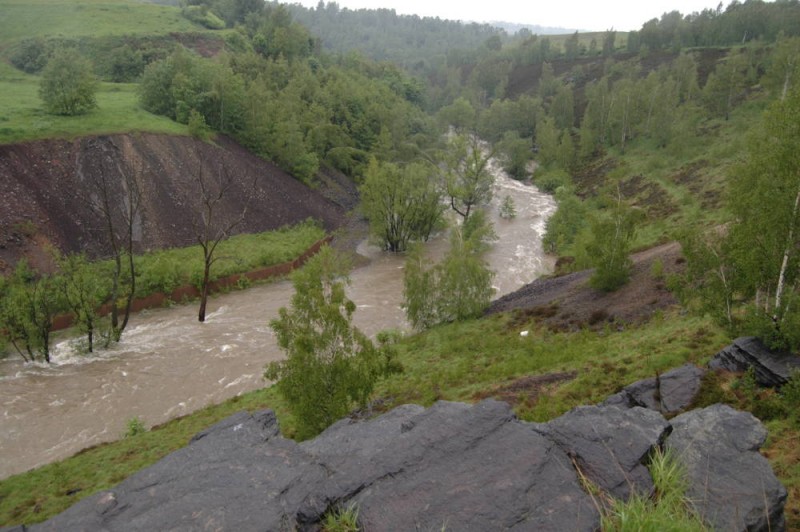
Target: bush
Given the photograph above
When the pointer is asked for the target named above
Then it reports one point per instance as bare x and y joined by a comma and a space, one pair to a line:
330, 365
68, 84
135, 426
31, 55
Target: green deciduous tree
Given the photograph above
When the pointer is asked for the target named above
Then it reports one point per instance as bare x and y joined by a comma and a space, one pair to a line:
563, 226
83, 291
612, 235
516, 153
765, 199
401, 203
331, 366
459, 287
68, 84
27, 307
468, 181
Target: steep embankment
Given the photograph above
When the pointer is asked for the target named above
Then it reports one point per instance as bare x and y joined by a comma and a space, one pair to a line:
50, 192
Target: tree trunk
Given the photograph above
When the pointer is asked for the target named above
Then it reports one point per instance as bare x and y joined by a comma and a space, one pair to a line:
787, 251
204, 291
131, 293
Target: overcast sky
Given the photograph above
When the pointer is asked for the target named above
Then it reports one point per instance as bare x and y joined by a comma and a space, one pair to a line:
597, 15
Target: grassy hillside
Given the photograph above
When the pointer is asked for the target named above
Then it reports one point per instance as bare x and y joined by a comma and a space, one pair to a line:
87, 18
84, 24
23, 119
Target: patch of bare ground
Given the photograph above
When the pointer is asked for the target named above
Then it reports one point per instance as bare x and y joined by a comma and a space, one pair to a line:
568, 303
526, 390
691, 177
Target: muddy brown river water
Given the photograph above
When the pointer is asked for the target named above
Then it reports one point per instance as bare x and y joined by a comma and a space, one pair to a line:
168, 364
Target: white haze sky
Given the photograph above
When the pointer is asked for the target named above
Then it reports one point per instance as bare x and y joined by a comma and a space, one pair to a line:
593, 15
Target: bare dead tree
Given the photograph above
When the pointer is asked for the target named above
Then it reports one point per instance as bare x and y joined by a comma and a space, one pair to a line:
119, 215
211, 225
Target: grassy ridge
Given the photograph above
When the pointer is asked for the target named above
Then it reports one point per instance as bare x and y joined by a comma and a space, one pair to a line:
78, 18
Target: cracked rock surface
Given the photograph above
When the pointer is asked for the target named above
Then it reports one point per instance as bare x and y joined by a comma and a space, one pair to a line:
453, 466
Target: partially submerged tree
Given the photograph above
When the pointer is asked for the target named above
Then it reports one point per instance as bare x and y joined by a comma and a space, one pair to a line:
468, 180
28, 304
401, 203
330, 366
68, 84
211, 223
117, 202
82, 291
459, 287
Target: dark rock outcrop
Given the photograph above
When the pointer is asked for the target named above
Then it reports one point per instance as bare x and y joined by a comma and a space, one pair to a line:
771, 368
669, 393
610, 445
453, 466
731, 485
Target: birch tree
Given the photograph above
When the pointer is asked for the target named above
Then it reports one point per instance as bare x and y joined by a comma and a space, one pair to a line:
765, 198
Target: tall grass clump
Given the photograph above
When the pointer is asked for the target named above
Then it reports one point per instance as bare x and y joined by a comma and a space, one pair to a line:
668, 510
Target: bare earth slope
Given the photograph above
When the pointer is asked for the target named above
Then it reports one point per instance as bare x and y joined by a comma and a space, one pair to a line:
569, 303
47, 189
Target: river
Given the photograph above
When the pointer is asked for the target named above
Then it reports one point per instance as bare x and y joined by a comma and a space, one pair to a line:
168, 364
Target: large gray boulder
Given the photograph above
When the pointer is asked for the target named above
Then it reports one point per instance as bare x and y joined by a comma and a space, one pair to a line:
669, 393
453, 465
772, 368
731, 485
610, 445
237, 475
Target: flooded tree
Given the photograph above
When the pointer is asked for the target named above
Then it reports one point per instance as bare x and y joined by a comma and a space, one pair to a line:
212, 223
28, 304
402, 203
468, 182
117, 202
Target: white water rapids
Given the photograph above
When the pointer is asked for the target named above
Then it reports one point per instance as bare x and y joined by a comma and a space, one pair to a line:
168, 364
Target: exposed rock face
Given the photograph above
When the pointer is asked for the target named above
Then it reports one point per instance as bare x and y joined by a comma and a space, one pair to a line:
731, 485
49, 188
611, 445
454, 466
771, 368
669, 394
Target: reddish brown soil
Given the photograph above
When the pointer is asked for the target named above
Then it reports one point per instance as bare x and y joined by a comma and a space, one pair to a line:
47, 189
568, 303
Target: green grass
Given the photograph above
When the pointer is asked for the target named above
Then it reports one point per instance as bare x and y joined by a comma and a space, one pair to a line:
165, 270
79, 18
22, 117
463, 361
668, 511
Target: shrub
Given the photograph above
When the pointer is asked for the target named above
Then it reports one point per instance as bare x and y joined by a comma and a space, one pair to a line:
68, 84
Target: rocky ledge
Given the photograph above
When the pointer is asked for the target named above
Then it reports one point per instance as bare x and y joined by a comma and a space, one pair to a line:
452, 466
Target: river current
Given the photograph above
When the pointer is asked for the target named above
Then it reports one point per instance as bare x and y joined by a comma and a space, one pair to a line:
168, 364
